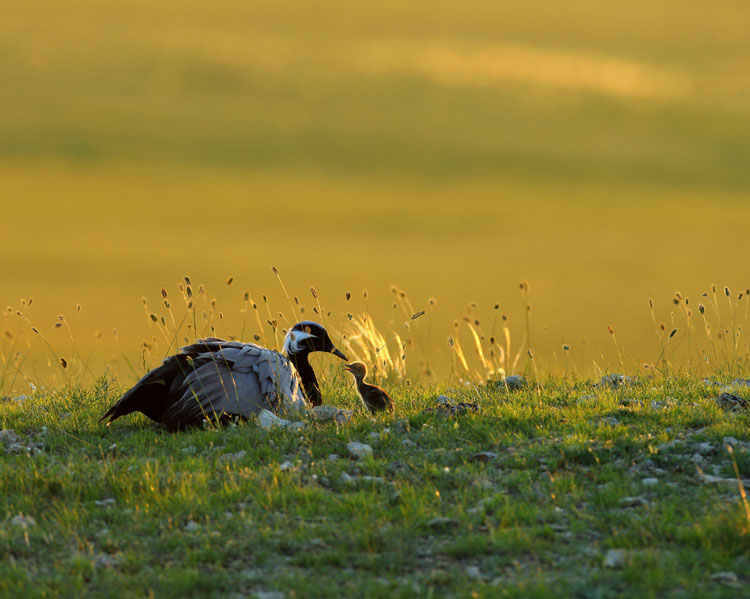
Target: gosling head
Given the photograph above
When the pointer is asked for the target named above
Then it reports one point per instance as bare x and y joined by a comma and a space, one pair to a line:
358, 369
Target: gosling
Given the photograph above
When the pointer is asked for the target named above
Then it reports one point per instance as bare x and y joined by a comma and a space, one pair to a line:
372, 396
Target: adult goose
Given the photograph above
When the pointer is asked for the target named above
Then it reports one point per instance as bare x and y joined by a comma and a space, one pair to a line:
213, 378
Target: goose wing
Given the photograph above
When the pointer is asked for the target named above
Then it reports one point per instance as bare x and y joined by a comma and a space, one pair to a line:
232, 379
213, 377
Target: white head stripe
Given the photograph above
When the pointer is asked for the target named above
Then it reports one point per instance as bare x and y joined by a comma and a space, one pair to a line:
293, 341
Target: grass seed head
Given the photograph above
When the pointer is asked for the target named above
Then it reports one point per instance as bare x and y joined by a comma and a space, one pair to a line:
230, 280
63, 362
164, 293
186, 279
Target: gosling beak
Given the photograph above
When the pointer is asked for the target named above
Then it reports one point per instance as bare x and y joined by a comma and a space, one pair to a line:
348, 368
336, 352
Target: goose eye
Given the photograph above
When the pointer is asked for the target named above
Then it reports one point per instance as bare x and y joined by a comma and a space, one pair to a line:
308, 330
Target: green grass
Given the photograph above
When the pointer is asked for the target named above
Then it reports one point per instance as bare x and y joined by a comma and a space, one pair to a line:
175, 520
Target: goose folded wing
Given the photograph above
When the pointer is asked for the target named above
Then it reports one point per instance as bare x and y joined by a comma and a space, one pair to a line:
232, 379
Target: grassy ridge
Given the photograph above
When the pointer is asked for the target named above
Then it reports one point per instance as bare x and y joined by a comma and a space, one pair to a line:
132, 511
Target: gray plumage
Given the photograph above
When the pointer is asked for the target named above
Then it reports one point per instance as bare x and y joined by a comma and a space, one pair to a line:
233, 379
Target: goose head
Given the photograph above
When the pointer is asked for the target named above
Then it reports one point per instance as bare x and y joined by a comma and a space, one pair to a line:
308, 336
302, 339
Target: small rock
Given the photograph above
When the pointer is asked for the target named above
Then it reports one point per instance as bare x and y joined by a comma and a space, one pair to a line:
513, 382
65, 416
192, 526
732, 403
452, 410
609, 420
105, 502
374, 435
444, 400
14, 448
481, 506
286, 466
402, 426
324, 413
650, 482
633, 501
106, 561
408, 443
442, 524
232, 457
704, 447
727, 578
615, 558
359, 450
372, 479
268, 420
22, 521
718, 480
348, 479
268, 595
631, 403
189, 450
483, 456
671, 444
473, 572
615, 381
334, 457
731, 441
658, 405
8, 437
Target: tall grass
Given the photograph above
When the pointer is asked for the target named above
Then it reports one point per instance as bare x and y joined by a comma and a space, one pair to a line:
479, 346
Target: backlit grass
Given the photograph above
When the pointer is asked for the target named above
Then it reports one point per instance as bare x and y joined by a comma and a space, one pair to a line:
132, 510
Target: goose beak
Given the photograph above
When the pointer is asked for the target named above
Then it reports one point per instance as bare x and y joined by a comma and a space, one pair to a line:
336, 352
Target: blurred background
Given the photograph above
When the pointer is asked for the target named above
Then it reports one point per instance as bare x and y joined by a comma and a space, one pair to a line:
598, 150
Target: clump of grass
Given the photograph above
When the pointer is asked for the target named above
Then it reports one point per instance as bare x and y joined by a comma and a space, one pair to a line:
479, 344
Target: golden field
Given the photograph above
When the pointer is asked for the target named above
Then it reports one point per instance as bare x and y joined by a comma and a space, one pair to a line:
598, 152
